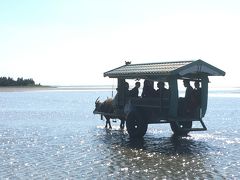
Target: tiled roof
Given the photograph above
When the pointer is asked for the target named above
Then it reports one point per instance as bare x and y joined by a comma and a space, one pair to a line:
157, 69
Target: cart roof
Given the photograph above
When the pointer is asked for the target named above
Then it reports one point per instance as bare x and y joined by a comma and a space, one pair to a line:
177, 68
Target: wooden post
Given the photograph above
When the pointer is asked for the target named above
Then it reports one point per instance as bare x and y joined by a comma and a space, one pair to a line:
173, 86
121, 92
204, 95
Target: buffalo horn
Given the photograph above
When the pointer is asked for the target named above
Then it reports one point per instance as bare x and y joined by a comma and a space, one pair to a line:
97, 100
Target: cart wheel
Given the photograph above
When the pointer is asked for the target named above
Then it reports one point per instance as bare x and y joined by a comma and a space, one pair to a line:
181, 128
136, 125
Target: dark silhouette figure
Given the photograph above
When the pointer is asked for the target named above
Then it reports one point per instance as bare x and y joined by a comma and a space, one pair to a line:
126, 89
148, 90
188, 97
184, 104
196, 95
188, 91
134, 92
162, 92
127, 62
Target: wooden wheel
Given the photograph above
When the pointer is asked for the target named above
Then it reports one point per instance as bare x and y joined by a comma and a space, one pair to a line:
136, 124
181, 128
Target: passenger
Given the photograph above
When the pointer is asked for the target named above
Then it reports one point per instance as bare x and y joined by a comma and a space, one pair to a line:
148, 90
126, 87
188, 109
134, 92
197, 93
162, 92
189, 90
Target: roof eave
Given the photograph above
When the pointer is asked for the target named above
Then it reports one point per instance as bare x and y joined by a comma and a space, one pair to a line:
199, 67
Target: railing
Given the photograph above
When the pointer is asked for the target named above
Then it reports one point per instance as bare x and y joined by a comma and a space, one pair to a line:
150, 102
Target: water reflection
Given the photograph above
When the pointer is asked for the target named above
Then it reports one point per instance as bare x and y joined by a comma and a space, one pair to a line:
157, 157
171, 145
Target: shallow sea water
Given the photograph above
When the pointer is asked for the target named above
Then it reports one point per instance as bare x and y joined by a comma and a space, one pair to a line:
54, 135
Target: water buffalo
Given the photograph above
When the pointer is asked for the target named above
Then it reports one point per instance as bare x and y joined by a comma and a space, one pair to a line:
107, 107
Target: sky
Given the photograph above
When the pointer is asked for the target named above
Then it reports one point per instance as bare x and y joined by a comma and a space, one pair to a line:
73, 42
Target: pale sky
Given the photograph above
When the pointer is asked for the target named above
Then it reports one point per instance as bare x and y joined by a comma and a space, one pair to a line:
72, 42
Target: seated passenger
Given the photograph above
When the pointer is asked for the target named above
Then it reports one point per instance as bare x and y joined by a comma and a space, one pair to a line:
134, 92
188, 91
126, 87
162, 92
188, 99
197, 92
148, 90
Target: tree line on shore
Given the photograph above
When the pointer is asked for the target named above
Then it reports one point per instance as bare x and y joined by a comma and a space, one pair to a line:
8, 81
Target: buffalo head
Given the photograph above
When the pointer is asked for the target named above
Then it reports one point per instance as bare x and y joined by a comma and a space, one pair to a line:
97, 104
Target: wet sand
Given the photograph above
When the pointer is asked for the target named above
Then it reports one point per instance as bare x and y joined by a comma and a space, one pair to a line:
54, 88
22, 89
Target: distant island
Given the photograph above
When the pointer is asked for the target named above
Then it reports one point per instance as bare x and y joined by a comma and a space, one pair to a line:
7, 81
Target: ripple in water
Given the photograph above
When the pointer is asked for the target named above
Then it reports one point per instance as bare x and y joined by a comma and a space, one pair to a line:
61, 139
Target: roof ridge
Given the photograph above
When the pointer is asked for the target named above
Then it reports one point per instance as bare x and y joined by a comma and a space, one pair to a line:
177, 68
165, 62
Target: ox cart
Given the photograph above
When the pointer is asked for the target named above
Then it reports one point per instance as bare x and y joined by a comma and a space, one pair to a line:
138, 112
